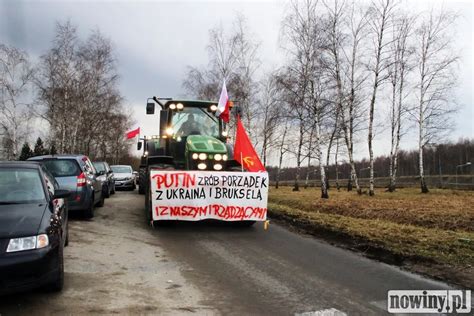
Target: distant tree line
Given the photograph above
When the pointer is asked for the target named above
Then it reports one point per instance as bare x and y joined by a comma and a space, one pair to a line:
352, 70
72, 91
440, 159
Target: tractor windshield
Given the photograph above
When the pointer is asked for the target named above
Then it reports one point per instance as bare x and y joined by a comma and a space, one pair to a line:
194, 121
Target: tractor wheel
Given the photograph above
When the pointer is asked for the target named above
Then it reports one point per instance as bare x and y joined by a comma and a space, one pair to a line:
141, 180
244, 223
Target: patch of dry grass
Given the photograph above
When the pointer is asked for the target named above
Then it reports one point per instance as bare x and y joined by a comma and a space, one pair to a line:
438, 227
444, 209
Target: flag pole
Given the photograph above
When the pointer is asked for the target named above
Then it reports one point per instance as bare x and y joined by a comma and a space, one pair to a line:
241, 161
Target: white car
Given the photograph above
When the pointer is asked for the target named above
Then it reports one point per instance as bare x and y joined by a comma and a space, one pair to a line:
124, 177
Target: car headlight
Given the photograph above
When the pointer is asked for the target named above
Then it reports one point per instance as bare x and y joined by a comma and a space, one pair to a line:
28, 243
202, 156
217, 157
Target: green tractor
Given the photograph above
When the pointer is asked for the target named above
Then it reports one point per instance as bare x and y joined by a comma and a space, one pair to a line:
191, 137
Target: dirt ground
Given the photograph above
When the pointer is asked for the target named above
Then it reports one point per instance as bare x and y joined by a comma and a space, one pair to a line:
110, 269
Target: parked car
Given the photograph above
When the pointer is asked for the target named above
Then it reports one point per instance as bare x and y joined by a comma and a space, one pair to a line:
33, 228
106, 176
123, 176
76, 174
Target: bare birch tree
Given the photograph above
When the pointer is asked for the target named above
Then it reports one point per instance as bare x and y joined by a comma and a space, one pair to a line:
345, 31
282, 150
232, 57
379, 18
268, 115
398, 71
16, 76
435, 58
78, 87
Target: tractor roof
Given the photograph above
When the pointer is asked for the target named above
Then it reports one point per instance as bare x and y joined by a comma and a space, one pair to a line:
191, 103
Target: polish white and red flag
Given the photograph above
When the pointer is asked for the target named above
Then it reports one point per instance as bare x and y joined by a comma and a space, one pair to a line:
223, 108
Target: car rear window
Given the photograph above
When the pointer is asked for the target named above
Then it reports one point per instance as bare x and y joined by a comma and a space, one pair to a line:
121, 169
62, 167
99, 166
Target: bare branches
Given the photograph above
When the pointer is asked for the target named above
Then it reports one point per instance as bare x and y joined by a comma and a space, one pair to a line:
435, 60
77, 85
16, 75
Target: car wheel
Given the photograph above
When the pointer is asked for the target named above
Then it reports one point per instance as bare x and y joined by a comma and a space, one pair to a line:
89, 212
106, 191
58, 283
66, 242
102, 201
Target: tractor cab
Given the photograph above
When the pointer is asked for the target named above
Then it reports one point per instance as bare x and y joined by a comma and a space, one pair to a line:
191, 136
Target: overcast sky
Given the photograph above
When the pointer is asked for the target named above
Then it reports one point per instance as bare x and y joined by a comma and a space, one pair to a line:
155, 41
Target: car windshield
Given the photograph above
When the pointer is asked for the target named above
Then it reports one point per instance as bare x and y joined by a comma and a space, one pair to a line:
62, 167
20, 186
99, 166
194, 121
121, 169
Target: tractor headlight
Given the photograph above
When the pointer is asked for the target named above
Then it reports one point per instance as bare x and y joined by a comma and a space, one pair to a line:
172, 106
224, 133
202, 156
202, 166
218, 157
179, 106
224, 157
28, 243
217, 166
195, 156
213, 108
169, 131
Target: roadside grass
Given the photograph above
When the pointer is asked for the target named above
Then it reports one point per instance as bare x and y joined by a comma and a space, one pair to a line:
437, 228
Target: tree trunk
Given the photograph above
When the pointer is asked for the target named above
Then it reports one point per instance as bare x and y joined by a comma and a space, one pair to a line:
298, 159
424, 187
336, 164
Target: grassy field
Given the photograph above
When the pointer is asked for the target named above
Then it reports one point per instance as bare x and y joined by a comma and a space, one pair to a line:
432, 233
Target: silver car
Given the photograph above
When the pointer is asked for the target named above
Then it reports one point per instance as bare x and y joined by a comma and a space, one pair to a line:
76, 174
124, 177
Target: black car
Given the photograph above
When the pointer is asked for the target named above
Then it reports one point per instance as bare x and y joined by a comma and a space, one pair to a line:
106, 176
33, 228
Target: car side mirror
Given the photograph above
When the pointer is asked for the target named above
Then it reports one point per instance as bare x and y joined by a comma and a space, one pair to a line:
135, 173
139, 145
150, 108
61, 194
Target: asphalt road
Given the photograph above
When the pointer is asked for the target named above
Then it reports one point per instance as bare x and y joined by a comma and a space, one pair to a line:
117, 264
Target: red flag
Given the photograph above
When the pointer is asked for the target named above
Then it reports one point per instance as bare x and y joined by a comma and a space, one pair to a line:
223, 105
244, 152
133, 133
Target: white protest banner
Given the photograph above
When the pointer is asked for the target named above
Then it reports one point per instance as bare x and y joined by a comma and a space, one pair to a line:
197, 195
